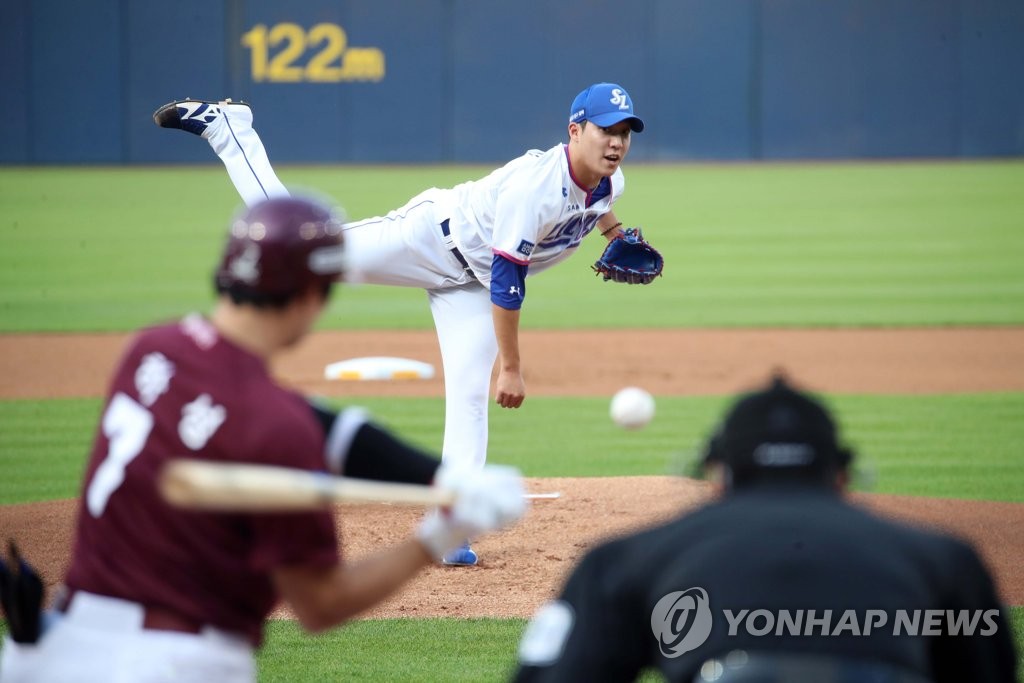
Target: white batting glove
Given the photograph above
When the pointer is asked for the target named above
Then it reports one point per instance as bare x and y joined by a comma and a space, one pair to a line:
486, 500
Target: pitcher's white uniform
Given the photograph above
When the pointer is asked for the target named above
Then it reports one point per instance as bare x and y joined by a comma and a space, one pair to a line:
530, 213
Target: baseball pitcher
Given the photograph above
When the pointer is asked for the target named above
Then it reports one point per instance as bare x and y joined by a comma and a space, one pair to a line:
471, 246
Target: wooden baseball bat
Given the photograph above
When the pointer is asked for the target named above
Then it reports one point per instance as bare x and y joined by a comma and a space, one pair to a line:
204, 485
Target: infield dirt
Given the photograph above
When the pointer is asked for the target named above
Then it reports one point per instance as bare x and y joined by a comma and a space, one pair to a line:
522, 567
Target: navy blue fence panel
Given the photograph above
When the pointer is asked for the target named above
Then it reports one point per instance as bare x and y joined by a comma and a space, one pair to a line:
478, 80
405, 116
858, 79
701, 70
75, 81
15, 58
516, 68
991, 102
176, 50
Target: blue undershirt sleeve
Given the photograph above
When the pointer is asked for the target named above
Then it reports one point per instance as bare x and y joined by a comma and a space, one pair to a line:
508, 282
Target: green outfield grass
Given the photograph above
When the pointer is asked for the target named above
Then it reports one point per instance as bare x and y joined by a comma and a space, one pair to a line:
767, 245
423, 650
957, 446
470, 650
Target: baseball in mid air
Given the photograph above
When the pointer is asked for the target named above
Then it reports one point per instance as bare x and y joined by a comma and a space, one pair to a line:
632, 408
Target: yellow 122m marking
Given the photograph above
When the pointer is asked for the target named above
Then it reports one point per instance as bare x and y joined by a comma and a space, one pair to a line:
331, 61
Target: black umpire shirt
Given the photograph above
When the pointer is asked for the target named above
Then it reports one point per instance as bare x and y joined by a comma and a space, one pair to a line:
777, 548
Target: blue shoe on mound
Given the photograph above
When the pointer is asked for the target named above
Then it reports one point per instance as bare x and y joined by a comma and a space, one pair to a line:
463, 556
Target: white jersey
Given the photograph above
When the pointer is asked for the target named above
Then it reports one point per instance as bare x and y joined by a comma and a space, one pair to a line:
531, 210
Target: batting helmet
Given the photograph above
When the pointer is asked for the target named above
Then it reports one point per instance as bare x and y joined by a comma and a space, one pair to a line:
778, 433
279, 248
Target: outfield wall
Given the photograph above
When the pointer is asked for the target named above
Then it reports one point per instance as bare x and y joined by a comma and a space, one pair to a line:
479, 80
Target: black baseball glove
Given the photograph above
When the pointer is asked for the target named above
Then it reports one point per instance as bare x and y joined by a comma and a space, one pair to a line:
631, 259
21, 595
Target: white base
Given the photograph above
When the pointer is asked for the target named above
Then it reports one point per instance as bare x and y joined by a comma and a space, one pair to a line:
372, 368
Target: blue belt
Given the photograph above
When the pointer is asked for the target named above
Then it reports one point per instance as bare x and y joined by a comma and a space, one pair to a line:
450, 243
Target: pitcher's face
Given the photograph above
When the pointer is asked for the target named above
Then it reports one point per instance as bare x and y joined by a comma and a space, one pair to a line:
596, 152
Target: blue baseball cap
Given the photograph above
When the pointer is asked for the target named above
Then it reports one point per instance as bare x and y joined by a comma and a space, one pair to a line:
605, 104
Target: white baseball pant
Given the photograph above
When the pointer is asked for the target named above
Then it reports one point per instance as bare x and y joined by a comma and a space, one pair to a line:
101, 640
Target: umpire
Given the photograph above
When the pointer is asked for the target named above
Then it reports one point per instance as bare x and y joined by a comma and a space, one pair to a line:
779, 579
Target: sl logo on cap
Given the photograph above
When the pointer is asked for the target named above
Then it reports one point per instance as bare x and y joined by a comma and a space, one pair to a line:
619, 99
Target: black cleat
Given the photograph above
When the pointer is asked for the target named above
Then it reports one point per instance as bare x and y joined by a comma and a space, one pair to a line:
193, 116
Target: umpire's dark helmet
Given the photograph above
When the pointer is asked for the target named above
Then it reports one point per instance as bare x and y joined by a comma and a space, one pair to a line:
778, 433
279, 248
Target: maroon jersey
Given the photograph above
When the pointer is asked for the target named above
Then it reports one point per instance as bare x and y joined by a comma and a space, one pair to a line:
183, 391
